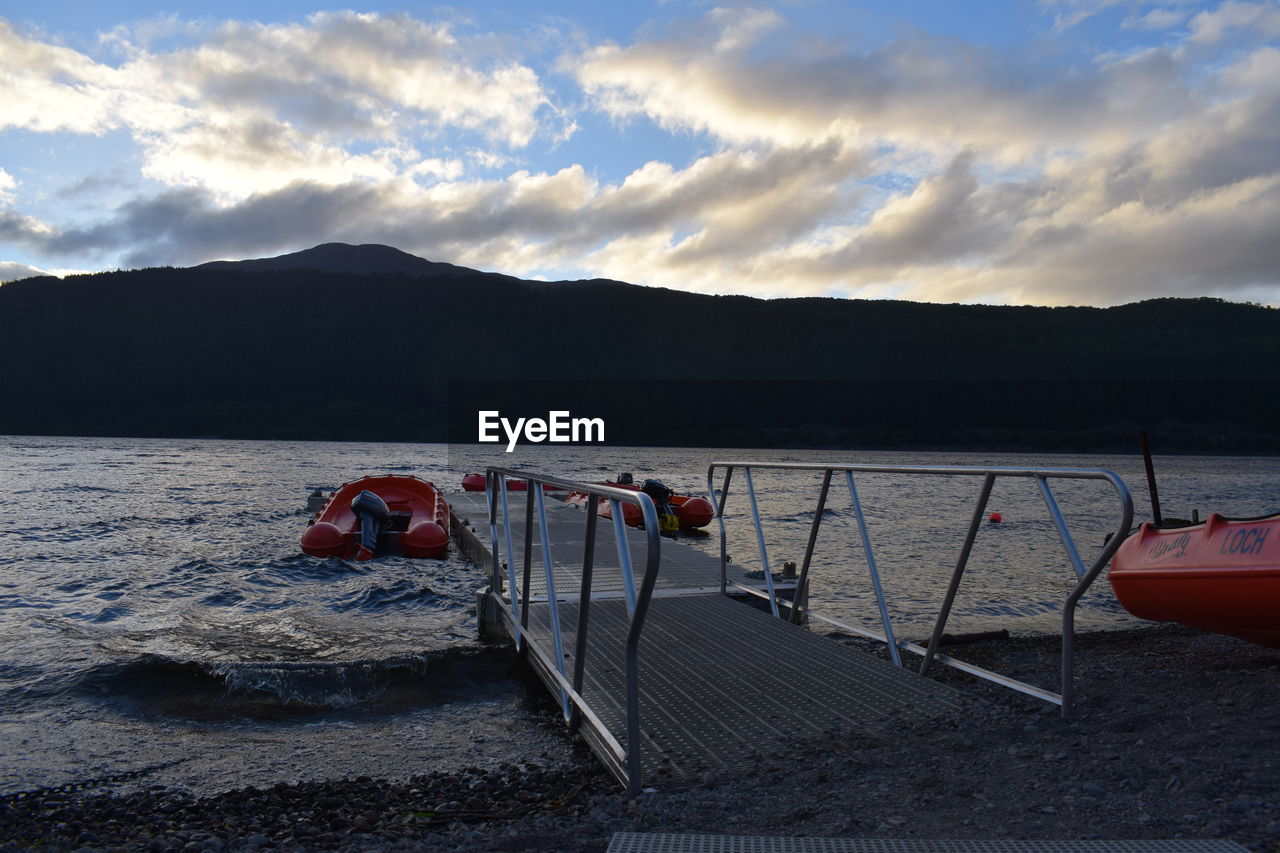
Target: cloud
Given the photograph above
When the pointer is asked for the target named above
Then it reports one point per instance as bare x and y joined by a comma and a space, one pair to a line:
339, 97
7, 185
1070, 13
1155, 20
529, 223
1202, 247
925, 167
1256, 20
919, 92
1029, 171
13, 271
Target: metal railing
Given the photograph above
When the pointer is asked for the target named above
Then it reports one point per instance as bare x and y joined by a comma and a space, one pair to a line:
572, 703
1085, 577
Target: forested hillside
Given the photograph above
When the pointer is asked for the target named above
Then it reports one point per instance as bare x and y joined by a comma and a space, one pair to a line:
238, 351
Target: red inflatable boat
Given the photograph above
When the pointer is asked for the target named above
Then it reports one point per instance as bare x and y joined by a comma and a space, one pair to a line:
1221, 576
389, 515
691, 510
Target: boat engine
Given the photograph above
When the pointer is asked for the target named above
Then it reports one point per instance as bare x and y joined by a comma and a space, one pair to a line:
668, 521
374, 517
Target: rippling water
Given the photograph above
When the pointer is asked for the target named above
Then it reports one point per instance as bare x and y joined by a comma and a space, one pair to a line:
155, 606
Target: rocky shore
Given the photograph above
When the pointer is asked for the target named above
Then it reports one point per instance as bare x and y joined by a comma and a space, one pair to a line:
1177, 736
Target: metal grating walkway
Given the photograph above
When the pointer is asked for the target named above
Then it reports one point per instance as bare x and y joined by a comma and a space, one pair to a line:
722, 682
653, 842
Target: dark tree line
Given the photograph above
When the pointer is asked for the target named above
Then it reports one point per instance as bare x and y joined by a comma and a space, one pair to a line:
322, 355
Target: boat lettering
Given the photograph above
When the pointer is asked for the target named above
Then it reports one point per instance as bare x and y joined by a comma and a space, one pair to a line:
558, 427
1247, 541
1173, 550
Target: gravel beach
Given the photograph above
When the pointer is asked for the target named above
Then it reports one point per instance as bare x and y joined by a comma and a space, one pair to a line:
1177, 736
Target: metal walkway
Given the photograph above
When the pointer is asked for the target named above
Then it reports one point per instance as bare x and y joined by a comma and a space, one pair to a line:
656, 842
715, 683
722, 683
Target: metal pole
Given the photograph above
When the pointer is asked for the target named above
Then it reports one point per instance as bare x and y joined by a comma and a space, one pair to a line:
724, 497
584, 603
528, 560
491, 500
802, 583
764, 553
654, 559
1068, 544
874, 571
941, 624
624, 554
553, 603
1069, 608
517, 606
1151, 479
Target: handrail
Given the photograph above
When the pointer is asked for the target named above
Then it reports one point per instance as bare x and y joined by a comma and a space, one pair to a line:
1085, 577
637, 600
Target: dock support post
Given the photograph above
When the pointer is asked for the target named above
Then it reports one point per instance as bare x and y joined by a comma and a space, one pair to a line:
987, 482
802, 583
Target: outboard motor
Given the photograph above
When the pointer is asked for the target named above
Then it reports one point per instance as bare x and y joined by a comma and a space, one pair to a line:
316, 501
625, 479
668, 521
374, 517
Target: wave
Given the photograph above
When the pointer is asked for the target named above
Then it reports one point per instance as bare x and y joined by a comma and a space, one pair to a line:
402, 593
213, 690
322, 684
278, 689
70, 487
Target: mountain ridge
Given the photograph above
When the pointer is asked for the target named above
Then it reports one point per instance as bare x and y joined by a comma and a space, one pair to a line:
358, 259
350, 353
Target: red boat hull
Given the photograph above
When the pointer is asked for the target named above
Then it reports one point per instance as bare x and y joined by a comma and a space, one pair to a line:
420, 520
1221, 576
693, 511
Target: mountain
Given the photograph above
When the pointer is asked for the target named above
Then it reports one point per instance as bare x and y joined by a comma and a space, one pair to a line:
366, 259
345, 342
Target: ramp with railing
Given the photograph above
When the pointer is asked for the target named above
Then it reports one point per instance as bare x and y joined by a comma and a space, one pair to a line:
667, 677
1041, 476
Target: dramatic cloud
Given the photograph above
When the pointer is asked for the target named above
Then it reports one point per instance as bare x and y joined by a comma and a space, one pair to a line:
923, 167
532, 222
341, 97
1037, 184
916, 93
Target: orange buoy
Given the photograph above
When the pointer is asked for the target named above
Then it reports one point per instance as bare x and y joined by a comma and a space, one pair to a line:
995, 518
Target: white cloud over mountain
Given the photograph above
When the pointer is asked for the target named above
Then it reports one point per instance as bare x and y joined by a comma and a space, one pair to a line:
924, 167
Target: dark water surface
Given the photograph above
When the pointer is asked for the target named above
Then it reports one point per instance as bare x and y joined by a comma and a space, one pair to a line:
157, 614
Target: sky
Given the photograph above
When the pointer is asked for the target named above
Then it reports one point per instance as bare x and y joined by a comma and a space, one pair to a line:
1046, 152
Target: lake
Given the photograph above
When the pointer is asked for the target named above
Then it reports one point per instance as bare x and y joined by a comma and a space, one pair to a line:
158, 617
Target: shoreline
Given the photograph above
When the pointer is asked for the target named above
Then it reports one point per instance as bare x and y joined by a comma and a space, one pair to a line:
1048, 447
1176, 737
